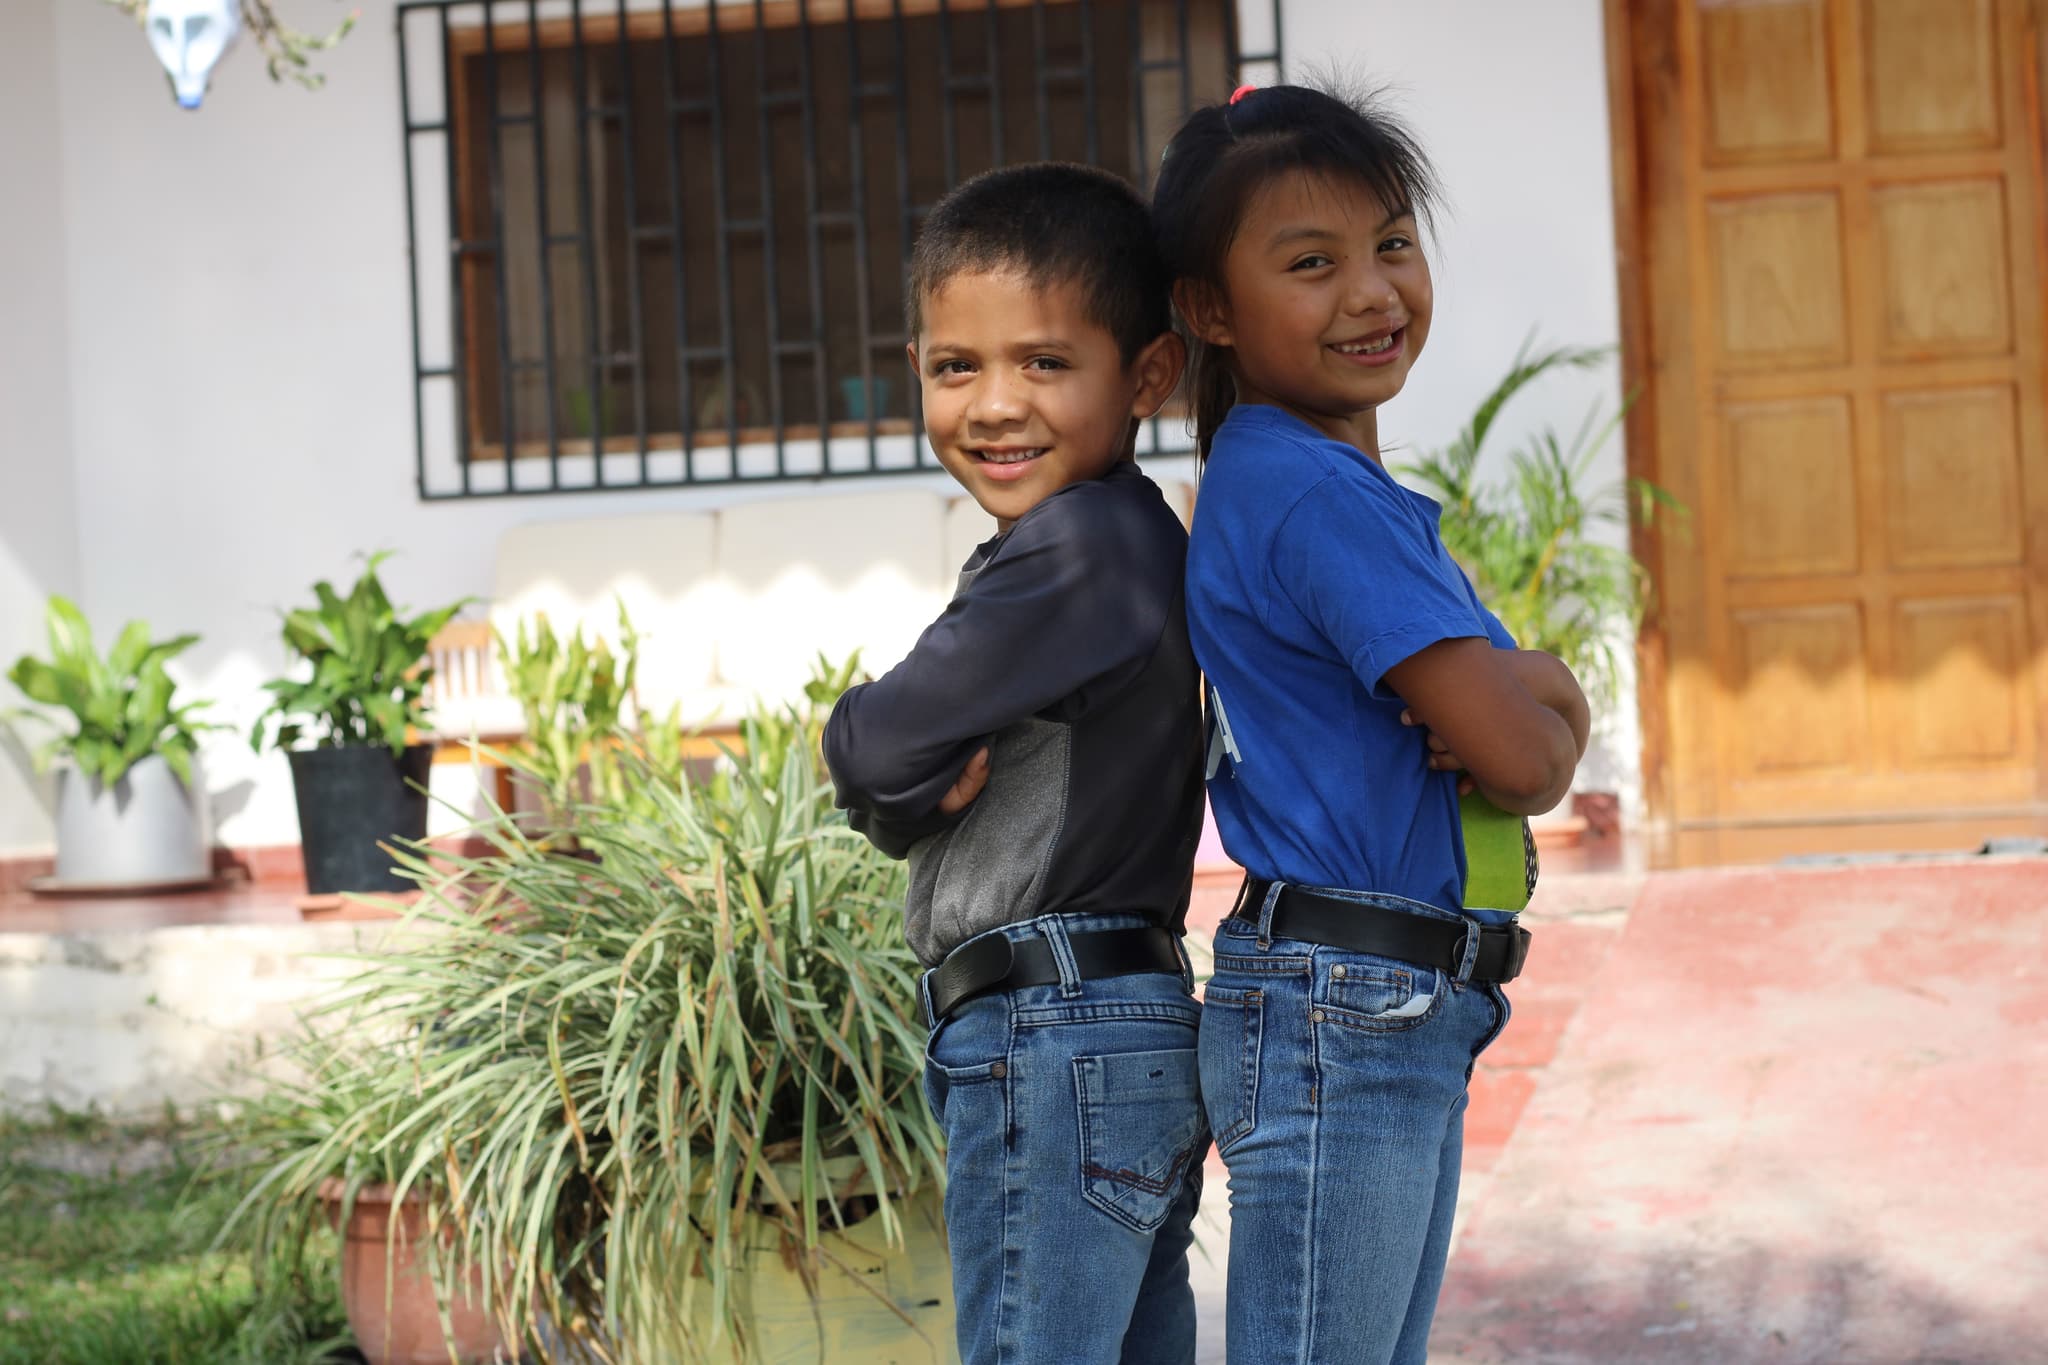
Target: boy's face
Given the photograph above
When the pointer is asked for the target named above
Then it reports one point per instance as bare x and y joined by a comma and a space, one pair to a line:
1024, 393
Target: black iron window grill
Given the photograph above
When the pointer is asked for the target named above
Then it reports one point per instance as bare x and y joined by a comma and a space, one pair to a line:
660, 243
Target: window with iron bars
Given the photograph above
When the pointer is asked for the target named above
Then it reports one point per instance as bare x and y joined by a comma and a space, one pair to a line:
662, 243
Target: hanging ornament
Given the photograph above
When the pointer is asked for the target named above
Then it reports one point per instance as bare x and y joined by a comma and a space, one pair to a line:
189, 36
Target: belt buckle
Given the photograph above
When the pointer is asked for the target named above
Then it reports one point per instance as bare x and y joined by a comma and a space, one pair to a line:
987, 958
1514, 950
1518, 952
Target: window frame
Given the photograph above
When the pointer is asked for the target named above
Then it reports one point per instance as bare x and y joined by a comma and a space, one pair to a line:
469, 30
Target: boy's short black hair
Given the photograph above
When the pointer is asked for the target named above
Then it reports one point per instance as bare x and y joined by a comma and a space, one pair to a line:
1058, 223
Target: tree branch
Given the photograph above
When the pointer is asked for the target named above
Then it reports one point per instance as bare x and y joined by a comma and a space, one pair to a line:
286, 51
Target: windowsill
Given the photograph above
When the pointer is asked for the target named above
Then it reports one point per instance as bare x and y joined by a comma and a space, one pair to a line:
715, 438
694, 20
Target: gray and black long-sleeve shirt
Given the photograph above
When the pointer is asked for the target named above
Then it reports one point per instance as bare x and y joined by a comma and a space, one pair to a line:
1065, 650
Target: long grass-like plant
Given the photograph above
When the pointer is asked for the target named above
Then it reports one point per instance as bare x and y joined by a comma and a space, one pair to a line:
618, 1075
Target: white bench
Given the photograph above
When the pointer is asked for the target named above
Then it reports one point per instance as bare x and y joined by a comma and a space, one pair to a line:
731, 605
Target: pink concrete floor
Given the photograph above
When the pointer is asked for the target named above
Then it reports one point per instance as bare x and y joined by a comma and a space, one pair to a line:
1796, 1116
1741, 1115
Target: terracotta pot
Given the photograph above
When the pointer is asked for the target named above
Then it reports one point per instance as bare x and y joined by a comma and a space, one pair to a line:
403, 1327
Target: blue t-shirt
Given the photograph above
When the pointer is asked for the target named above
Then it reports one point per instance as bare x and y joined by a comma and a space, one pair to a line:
1311, 572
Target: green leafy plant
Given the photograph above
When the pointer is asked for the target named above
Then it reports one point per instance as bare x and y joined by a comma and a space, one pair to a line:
122, 705
616, 1074
1531, 540
369, 669
582, 714
292, 1158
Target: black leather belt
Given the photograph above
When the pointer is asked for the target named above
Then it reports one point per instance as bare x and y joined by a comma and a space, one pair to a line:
995, 963
1362, 928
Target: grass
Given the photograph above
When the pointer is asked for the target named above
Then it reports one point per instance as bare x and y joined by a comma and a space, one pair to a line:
105, 1256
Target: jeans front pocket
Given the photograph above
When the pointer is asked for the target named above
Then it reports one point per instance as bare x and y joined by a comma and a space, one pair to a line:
1502, 1012
1141, 1128
1231, 1028
1377, 994
940, 1082
954, 1066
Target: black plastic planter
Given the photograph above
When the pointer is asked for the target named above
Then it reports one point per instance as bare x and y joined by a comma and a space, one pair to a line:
351, 800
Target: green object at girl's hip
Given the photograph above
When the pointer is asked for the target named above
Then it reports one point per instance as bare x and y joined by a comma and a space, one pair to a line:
1500, 856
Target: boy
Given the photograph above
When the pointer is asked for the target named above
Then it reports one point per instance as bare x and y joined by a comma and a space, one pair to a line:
1038, 759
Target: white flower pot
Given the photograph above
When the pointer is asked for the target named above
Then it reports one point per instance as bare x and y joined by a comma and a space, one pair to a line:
147, 829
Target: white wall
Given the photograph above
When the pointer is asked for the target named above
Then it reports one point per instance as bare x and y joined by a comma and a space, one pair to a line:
38, 510
238, 329
1509, 98
242, 404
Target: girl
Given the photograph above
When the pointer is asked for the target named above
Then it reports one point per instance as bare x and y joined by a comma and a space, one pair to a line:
1355, 683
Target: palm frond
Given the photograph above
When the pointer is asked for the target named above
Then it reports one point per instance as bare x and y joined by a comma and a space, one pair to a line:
1529, 534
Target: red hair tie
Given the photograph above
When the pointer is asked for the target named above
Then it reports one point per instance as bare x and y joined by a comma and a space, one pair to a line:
1241, 92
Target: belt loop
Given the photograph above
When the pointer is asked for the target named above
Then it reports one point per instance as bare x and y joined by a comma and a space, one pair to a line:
1266, 908
924, 1000
1055, 932
1187, 963
1468, 951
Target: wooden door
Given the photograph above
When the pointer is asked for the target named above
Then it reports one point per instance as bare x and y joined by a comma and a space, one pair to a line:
1833, 238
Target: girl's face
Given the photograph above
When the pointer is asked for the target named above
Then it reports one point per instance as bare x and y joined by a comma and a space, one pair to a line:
1325, 303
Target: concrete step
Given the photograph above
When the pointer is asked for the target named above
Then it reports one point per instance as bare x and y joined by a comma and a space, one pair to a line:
125, 1021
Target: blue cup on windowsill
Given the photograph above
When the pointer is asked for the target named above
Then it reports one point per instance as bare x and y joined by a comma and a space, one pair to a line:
854, 393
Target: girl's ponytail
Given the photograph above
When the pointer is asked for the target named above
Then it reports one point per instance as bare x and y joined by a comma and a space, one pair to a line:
1213, 391
1186, 228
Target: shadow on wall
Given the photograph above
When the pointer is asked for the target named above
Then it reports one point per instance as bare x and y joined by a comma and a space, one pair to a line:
1701, 1304
231, 800
16, 754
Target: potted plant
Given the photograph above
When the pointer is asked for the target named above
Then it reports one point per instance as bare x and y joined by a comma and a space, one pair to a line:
675, 1091
1533, 540
582, 712
131, 809
347, 730
315, 1152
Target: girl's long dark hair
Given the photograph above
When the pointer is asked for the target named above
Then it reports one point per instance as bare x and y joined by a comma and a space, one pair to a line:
1226, 153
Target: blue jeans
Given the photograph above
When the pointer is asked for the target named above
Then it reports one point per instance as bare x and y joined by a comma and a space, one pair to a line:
1335, 1082
1074, 1143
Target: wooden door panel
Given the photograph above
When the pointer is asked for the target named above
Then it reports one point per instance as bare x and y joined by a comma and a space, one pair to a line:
1963, 666
1838, 321
1931, 74
1778, 264
1785, 460
1952, 478
1767, 82
1805, 666
1942, 260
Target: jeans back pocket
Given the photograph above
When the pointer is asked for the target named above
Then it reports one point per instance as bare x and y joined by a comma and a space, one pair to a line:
1141, 1128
